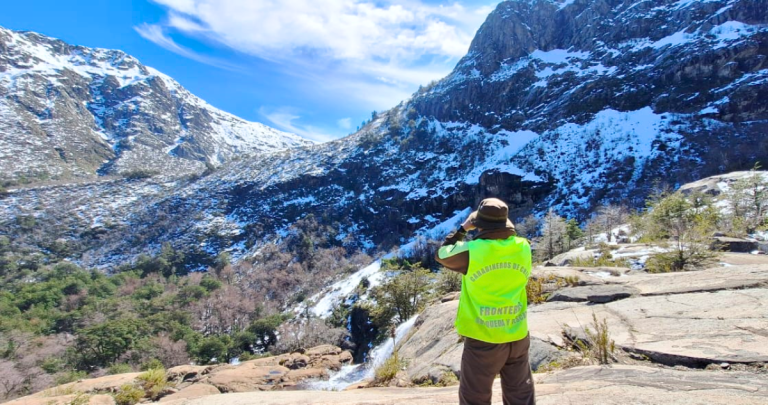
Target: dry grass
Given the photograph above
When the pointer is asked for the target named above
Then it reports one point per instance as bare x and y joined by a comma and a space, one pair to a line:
128, 394
534, 292
598, 347
388, 370
153, 382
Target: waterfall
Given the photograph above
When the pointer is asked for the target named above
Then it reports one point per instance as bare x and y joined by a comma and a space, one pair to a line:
349, 375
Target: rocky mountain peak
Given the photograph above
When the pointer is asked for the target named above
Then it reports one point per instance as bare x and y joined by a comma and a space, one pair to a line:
71, 111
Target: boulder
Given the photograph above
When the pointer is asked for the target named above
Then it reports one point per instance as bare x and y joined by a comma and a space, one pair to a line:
327, 357
714, 279
714, 185
451, 296
345, 357
441, 375
247, 377
296, 376
323, 350
594, 293
269, 361
186, 373
692, 329
736, 245
740, 259
331, 362
542, 354
193, 391
565, 259
296, 361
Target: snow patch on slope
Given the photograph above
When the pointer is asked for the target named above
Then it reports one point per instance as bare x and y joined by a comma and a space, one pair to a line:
328, 299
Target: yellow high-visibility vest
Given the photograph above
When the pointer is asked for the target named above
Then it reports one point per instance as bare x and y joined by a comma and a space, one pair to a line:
493, 306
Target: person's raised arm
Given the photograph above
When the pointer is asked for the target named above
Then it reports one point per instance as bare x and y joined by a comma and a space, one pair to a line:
454, 253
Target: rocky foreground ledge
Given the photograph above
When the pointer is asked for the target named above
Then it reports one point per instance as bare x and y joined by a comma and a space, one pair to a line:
618, 384
582, 385
283, 372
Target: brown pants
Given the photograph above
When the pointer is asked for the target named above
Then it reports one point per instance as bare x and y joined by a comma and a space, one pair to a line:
481, 362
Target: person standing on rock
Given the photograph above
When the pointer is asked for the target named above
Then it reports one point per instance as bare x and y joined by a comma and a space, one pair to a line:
492, 315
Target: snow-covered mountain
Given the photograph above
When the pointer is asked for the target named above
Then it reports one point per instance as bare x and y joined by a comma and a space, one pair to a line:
558, 104
618, 93
70, 111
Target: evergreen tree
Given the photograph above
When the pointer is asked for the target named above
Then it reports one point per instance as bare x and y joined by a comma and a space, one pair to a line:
684, 225
573, 233
748, 200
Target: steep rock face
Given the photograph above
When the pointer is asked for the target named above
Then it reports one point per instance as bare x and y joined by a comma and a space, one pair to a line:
618, 91
70, 111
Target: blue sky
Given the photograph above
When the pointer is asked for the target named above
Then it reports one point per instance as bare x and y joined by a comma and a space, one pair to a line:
314, 67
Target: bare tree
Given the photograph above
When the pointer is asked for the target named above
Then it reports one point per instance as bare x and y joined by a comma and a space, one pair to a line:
226, 310
306, 333
553, 235
527, 226
171, 353
608, 217
11, 379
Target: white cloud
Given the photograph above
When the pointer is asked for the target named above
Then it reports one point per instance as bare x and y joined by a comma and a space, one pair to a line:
157, 35
371, 51
284, 118
342, 29
345, 123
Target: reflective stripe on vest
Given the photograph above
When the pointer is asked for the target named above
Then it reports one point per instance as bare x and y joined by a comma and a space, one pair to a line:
493, 305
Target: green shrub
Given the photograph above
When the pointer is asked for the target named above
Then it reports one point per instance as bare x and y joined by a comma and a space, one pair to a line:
211, 348
119, 368
70, 376
405, 294
139, 174
153, 382
128, 394
684, 223
80, 398
534, 292
26, 222
680, 260
152, 364
448, 281
52, 365
210, 284
602, 344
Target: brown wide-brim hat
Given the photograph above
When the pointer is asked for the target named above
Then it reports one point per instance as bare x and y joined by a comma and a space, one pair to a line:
492, 213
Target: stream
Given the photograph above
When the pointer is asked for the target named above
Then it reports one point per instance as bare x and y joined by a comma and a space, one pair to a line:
353, 374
